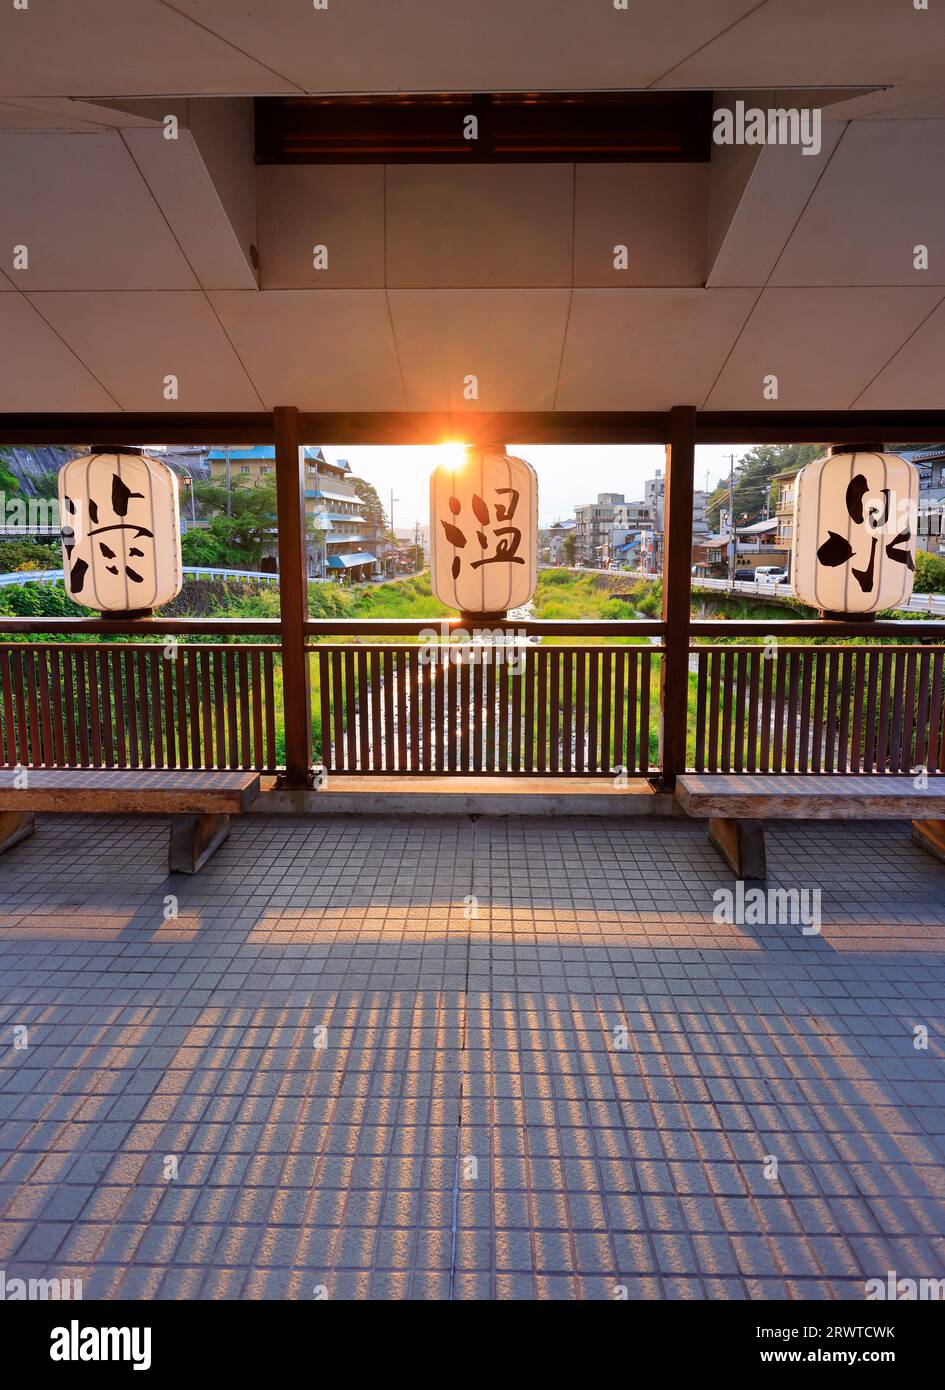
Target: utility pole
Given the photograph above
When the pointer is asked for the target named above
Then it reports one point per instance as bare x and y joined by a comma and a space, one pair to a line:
731, 517
393, 534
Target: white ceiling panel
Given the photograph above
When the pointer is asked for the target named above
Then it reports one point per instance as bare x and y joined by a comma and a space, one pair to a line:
823, 345
647, 349
813, 43
452, 45
485, 226
85, 213
883, 194
132, 342
37, 370
915, 378
509, 340
120, 48
340, 207
658, 211
317, 349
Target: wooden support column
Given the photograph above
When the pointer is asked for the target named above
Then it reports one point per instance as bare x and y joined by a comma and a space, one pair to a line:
677, 583
293, 598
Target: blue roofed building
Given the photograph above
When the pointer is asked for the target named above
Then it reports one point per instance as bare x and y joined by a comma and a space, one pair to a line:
347, 544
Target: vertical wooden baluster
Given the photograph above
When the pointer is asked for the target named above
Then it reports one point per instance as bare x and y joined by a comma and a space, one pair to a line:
206, 707
56, 657
767, 710
105, 688
351, 711
830, 736
851, 710
580, 709
390, 696
232, 710
741, 703
817, 728
906, 759
269, 664
259, 749
921, 750
377, 721
935, 714
475, 676
632, 753
541, 698
645, 679
882, 742
166, 669
754, 683
324, 701
242, 680
336, 656
567, 710
9, 720
465, 710
95, 707
494, 672
715, 662
620, 676
779, 678
48, 749
413, 704
528, 752
181, 701
593, 710
606, 707
702, 670
120, 702
867, 667
363, 713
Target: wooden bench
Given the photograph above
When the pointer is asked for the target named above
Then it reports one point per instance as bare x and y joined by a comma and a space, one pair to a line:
199, 803
737, 805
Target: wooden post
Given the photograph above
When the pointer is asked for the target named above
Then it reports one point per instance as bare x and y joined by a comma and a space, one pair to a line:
293, 598
677, 584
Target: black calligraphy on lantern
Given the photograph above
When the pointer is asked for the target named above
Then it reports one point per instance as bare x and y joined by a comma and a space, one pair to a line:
116, 519
490, 531
837, 550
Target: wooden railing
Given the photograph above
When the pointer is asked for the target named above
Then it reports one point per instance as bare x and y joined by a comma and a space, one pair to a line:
819, 709
565, 710
139, 705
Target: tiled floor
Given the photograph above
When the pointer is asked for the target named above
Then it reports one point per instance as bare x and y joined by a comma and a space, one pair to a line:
445, 1058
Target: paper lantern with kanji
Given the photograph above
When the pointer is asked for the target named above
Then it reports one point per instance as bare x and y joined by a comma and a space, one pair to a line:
120, 531
855, 519
484, 532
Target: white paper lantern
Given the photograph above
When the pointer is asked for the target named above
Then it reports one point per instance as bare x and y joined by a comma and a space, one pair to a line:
120, 531
484, 532
855, 519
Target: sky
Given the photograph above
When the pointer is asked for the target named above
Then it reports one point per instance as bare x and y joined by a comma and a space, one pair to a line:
567, 474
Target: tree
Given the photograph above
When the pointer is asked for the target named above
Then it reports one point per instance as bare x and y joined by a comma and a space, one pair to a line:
929, 573
374, 513
240, 539
567, 548
753, 474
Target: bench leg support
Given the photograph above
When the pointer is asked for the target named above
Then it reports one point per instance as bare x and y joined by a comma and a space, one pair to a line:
15, 826
741, 844
930, 834
193, 840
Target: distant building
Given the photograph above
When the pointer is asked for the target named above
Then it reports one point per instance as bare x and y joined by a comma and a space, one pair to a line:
593, 529
351, 544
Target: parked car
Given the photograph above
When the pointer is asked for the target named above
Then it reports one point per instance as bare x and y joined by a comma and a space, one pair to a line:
745, 575
771, 574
